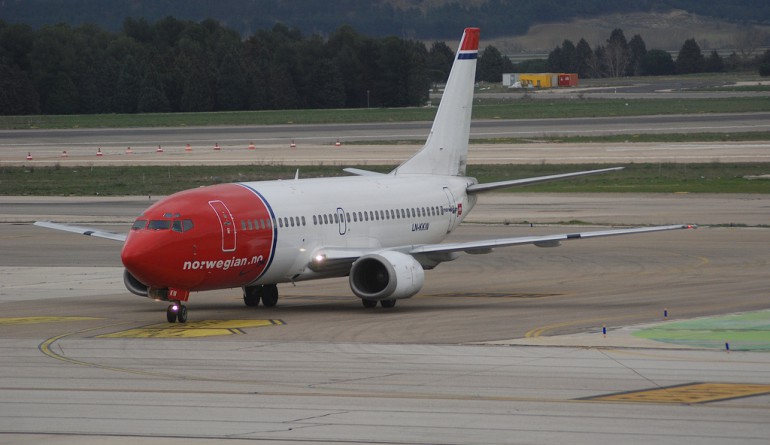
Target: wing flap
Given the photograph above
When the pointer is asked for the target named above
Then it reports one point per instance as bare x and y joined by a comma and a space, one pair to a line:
83, 230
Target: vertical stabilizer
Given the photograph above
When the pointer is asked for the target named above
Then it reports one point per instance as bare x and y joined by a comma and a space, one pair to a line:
446, 150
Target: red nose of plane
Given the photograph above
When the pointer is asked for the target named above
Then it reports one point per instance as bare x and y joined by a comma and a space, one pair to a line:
159, 242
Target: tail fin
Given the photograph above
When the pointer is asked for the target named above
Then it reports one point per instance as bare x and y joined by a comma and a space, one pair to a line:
446, 150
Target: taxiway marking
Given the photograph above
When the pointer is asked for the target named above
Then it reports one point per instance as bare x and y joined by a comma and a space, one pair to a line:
688, 394
194, 329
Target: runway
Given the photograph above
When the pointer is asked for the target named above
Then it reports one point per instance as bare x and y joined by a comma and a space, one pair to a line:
84, 360
315, 143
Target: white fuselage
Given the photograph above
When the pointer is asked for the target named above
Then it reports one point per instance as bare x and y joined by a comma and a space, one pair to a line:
366, 212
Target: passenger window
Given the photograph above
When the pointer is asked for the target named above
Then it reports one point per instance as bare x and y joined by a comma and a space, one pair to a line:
315, 220
303, 221
348, 216
336, 219
159, 224
292, 221
139, 224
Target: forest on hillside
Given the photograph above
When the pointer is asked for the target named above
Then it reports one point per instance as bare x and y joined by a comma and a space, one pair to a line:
423, 19
184, 66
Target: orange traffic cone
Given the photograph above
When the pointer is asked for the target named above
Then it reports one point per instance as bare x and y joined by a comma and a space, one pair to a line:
99, 151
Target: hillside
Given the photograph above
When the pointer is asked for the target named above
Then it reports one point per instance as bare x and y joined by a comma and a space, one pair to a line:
659, 30
422, 19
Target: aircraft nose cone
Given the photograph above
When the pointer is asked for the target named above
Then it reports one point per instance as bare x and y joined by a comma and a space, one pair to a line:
141, 261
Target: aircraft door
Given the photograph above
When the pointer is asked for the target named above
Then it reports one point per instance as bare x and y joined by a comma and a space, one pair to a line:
343, 224
451, 209
227, 225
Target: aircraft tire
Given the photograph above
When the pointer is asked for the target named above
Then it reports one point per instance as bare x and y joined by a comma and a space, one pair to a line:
269, 295
387, 304
251, 295
182, 314
369, 303
171, 314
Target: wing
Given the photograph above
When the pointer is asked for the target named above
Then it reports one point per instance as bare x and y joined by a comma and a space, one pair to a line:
486, 246
83, 231
339, 259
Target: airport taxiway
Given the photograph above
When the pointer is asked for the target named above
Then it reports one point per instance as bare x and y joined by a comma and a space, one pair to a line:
85, 361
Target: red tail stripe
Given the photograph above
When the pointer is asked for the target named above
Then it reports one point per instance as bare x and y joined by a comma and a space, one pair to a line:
471, 40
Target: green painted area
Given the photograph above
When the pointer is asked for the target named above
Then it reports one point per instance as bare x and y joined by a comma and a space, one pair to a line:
744, 332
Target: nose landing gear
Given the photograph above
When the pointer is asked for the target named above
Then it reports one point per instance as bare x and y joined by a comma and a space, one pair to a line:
176, 312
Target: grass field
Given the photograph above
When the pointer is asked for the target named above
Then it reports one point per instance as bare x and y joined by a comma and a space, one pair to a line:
163, 180
485, 109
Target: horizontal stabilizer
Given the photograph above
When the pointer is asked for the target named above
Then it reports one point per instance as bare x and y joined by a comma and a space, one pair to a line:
477, 188
361, 172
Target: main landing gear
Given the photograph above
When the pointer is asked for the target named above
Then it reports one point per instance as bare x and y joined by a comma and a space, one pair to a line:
267, 293
176, 312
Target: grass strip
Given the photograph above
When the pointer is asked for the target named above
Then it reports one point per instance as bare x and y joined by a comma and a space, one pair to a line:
504, 108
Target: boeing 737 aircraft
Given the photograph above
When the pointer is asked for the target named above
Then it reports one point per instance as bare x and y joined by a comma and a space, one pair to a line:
381, 230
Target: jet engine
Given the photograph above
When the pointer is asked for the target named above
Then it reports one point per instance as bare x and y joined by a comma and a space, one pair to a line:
386, 275
133, 285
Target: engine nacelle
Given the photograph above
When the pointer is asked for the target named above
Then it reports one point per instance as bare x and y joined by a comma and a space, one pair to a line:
386, 275
133, 285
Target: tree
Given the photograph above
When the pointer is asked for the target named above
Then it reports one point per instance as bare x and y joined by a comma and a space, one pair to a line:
690, 59
152, 98
636, 51
327, 89
440, 58
231, 84
490, 65
714, 63
17, 92
764, 64
63, 96
129, 81
657, 63
598, 63
616, 54
583, 58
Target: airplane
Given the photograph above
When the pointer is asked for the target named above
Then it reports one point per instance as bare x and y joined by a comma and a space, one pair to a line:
381, 230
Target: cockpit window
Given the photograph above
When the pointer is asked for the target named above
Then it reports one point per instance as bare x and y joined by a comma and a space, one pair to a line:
159, 224
182, 225
139, 224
